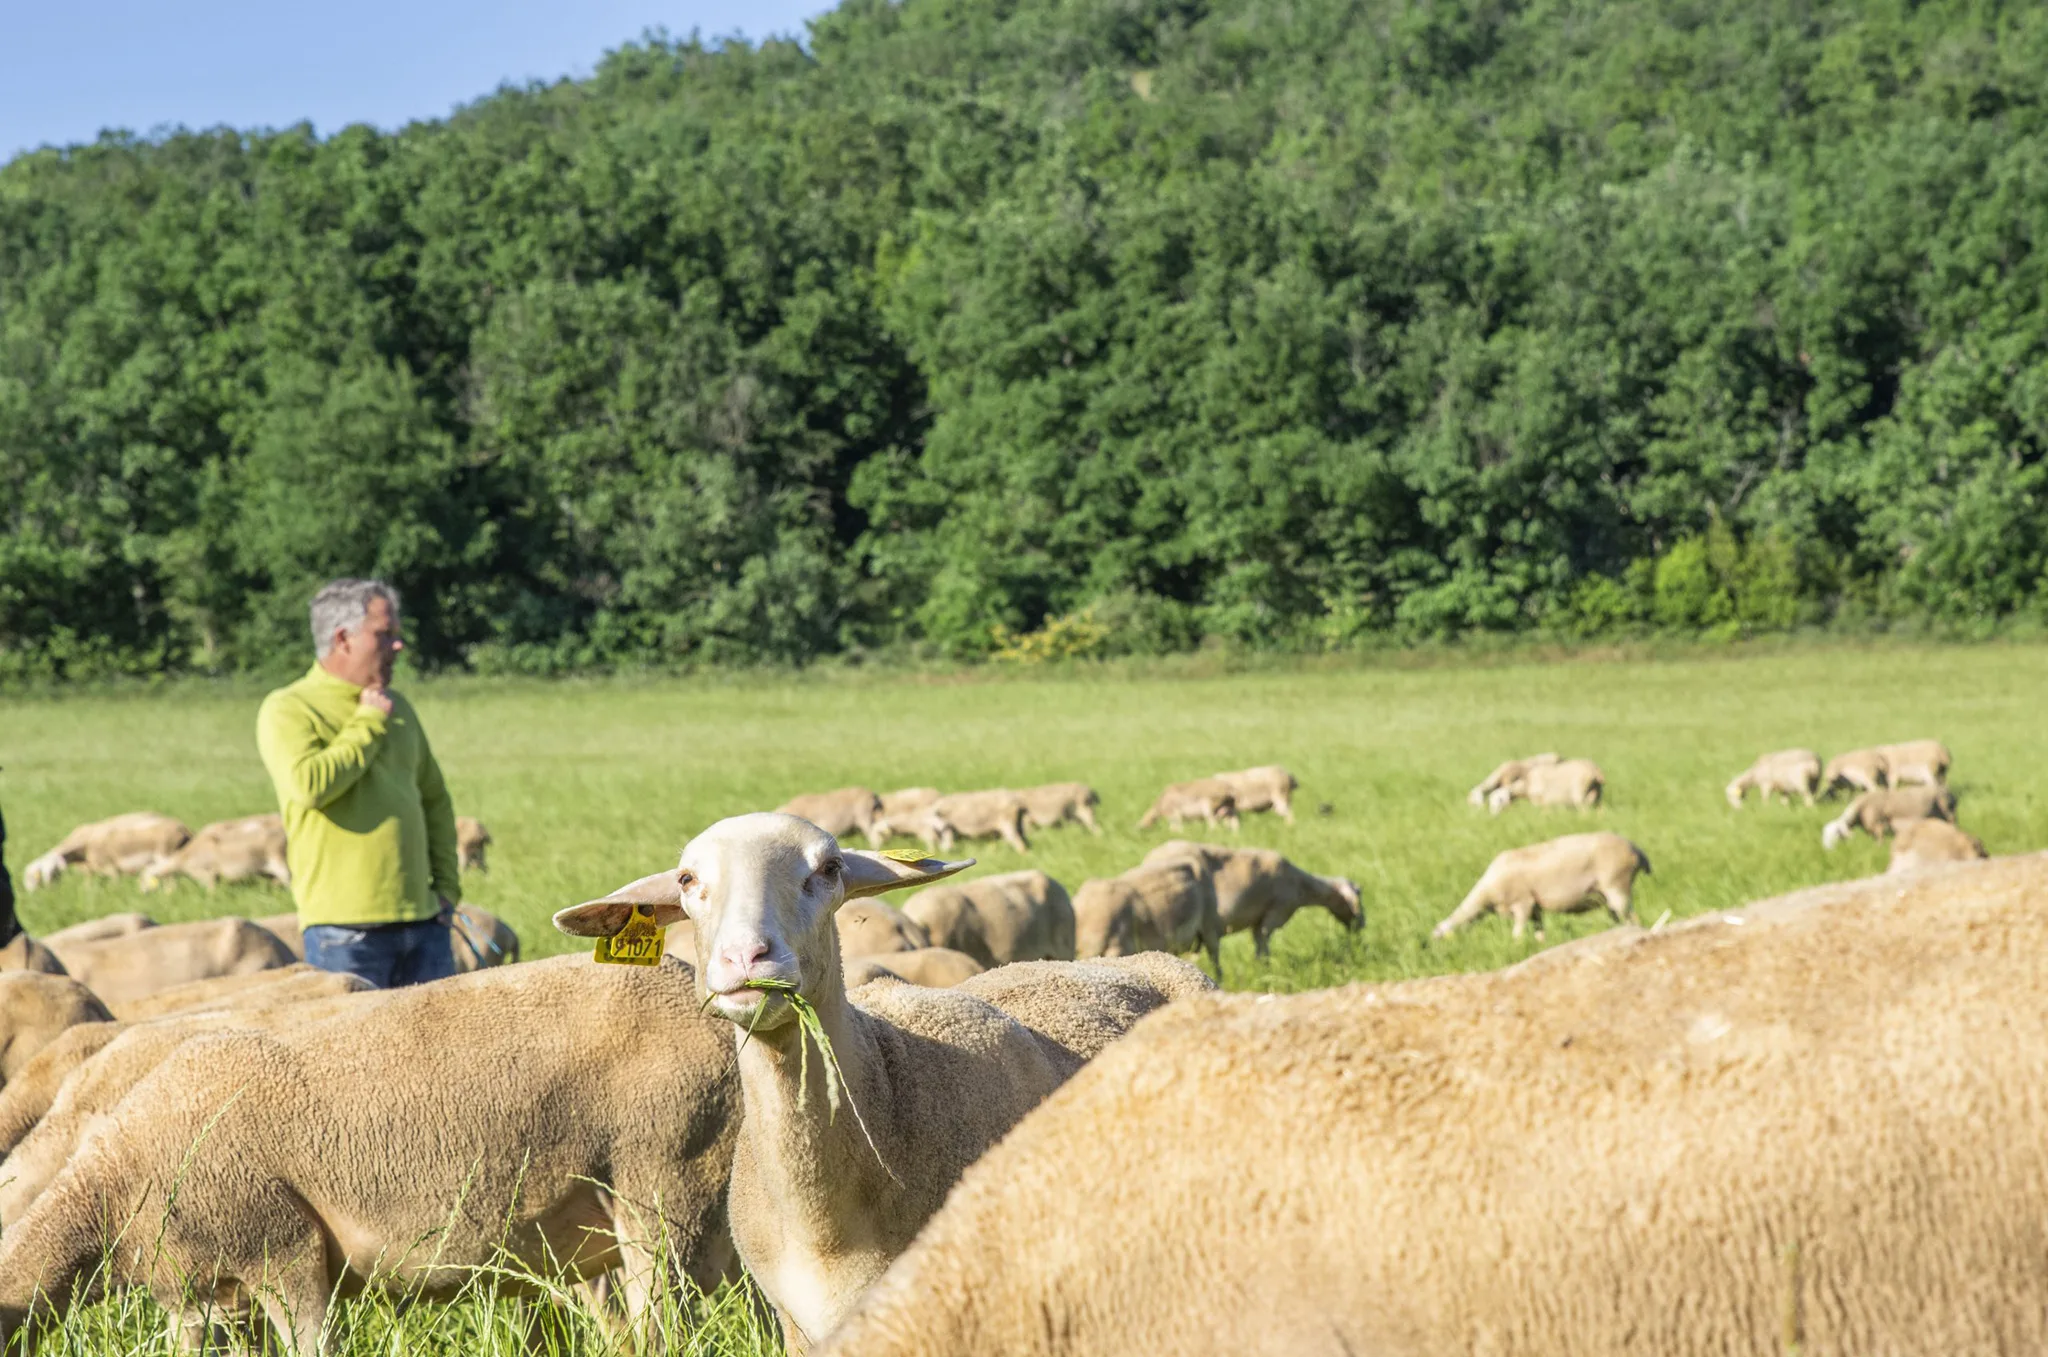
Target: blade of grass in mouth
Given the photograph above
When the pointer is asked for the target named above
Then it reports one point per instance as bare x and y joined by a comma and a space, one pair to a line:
812, 1028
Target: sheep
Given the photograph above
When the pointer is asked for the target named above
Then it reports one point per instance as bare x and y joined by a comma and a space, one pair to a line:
872, 928
1825, 1129
1507, 772
1207, 799
1258, 890
562, 1118
1859, 770
471, 841
823, 1195
230, 850
121, 969
1012, 916
34, 1010
840, 812
1163, 906
1057, 802
1268, 788
1787, 773
24, 953
1560, 876
1877, 813
27, 1096
291, 984
996, 814
122, 846
903, 810
106, 926
935, 967
1925, 762
1577, 783
1923, 843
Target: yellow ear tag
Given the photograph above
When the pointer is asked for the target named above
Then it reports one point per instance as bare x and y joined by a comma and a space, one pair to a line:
639, 943
905, 855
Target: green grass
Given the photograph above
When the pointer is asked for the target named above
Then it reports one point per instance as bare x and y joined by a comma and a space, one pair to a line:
587, 785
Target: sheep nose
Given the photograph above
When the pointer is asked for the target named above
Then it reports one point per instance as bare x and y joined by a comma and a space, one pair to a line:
735, 963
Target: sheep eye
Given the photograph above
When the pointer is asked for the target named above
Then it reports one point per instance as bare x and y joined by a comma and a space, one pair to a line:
830, 868
686, 881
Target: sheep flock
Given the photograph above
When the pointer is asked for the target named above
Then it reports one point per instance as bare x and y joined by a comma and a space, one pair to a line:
929, 1109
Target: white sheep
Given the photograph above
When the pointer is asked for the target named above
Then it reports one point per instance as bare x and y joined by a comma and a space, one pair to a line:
121, 846
1507, 772
1820, 1133
1167, 905
1560, 876
1207, 799
1876, 813
1258, 890
840, 812
1008, 917
1266, 788
1924, 843
1787, 773
1925, 762
834, 1173
1055, 803
995, 814
1576, 783
560, 1118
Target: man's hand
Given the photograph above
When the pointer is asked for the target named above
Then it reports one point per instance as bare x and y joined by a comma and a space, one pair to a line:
376, 699
447, 908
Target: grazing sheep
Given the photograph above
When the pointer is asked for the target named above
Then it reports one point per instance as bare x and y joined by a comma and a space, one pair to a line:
479, 938
1825, 1129
1923, 843
127, 968
471, 841
903, 810
934, 967
1012, 916
293, 984
93, 930
1561, 876
285, 928
839, 812
1055, 803
1577, 783
1163, 906
1507, 772
1877, 813
1925, 762
34, 1009
995, 814
121, 846
24, 953
27, 1096
872, 928
561, 1118
230, 850
833, 1175
1207, 799
1268, 788
1258, 890
1859, 770
1787, 773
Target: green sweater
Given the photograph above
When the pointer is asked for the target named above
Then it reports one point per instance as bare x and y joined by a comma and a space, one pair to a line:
369, 826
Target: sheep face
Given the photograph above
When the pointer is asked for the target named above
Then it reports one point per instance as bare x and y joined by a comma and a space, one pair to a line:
1735, 790
43, 871
1344, 902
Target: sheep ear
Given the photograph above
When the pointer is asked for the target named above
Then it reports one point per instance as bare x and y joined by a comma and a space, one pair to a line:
873, 873
658, 894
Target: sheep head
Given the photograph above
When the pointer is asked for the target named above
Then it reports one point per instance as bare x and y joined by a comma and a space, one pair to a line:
1343, 902
761, 891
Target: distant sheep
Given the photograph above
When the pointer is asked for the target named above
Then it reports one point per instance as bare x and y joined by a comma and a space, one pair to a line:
1877, 813
1266, 788
471, 842
122, 846
1163, 906
1859, 770
1507, 772
932, 967
1787, 773
1576, 783
840, 812
1055, 803
1924, 762
1923, 843
903, 810
35, 1009
1258, 890
229, 850
106, 926
1561, 876
997, 920
1207, 799
995, 814
127, 968
872, 928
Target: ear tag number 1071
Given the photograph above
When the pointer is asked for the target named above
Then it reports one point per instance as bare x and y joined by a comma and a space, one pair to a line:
639, 943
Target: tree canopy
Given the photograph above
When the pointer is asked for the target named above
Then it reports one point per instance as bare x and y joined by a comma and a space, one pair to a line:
1304, 323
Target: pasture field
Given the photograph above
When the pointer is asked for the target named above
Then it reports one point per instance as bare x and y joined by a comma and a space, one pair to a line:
589, 784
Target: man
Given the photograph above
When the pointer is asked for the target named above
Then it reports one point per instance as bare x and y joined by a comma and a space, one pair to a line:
8, 926
367, 818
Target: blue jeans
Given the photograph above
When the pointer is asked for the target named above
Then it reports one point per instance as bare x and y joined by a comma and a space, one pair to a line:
386, 955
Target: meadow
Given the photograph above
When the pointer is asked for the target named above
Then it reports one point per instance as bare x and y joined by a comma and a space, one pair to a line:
589, 784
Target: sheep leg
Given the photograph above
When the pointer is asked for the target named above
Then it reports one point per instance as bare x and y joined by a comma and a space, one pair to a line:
1013, 835
1087, 819
1620, 903
1284, 808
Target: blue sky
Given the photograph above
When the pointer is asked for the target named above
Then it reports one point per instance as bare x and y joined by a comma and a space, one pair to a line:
69, 68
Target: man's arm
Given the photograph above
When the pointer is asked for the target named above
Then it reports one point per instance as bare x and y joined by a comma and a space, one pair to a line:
442, 859
308, 771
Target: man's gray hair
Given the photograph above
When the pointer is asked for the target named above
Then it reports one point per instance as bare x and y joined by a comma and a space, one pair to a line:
341, 605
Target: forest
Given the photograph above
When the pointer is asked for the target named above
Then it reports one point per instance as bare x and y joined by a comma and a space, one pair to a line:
1040, 328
